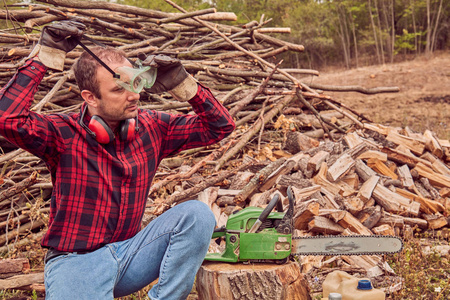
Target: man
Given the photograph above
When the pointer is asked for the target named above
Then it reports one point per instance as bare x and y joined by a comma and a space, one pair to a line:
102, 161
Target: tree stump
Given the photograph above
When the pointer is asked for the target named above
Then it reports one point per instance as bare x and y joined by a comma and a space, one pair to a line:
217, 280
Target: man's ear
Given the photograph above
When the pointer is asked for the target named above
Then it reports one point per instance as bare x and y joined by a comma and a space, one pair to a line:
89, 97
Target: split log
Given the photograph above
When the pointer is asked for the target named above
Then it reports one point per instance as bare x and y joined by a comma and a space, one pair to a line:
370, 216
363, 170
437, 164
301, 194
379, 167
403, 157
285, 168
366, 190
316, 161
435, 178
384, 229
395, 203
348, 221
388, 218
405, 176
11, 267
340, 167
353, 140
297, 141
416, 146
373, 154
428, 206
435, 221
304, 212
432, 144
20, 281
217, 280
323, 225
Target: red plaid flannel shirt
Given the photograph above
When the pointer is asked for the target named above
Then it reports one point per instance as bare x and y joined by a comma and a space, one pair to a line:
99, 192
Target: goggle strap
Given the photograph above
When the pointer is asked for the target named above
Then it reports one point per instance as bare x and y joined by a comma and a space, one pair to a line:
115, 75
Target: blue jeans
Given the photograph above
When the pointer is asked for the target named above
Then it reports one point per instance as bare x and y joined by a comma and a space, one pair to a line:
172, 248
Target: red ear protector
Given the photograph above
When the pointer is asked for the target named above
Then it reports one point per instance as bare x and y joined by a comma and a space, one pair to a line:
99, 129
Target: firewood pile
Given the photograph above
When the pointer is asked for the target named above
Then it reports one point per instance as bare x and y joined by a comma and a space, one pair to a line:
349, 175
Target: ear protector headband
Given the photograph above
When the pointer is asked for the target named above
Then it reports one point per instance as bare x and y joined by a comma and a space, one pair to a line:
102, 133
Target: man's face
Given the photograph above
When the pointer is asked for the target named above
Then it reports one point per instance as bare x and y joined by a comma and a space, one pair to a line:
115, 103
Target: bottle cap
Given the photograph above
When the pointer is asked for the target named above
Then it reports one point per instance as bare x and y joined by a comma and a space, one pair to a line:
334, 296
364, 284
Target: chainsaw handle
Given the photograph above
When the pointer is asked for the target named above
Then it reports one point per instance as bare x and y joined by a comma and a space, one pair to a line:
263, 216
269, 208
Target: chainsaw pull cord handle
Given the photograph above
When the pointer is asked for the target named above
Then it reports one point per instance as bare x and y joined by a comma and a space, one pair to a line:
263, 216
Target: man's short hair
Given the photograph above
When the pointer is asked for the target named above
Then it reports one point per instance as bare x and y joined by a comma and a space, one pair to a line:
85, 68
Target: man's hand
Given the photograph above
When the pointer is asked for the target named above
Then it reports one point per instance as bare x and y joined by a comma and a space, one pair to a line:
56, 40
171, 77
63, 35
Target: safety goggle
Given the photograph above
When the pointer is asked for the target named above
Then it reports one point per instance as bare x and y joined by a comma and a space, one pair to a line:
133, 79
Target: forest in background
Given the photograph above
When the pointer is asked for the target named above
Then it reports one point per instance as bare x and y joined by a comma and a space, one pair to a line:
348, 33
344, 33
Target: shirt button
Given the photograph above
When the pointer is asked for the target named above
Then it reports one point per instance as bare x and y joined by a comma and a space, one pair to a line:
33, 67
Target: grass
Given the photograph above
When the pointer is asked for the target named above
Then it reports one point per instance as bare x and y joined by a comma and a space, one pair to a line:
425, 274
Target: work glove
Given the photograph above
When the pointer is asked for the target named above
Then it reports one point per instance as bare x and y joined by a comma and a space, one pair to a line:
171, 77
56, 40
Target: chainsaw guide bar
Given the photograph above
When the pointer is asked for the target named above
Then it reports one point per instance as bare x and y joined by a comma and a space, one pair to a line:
346, 245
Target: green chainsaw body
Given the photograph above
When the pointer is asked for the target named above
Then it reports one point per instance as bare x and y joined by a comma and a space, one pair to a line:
241, 245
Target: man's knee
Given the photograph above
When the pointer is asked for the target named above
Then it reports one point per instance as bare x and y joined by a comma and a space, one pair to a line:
201, 215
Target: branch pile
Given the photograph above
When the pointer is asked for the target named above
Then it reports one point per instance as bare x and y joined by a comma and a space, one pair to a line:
348, 174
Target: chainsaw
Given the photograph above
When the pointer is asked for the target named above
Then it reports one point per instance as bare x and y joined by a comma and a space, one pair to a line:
254, 234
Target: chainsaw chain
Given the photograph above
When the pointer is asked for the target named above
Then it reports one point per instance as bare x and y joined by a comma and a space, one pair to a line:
344, 237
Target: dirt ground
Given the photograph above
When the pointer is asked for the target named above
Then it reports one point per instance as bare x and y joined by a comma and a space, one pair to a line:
422, 103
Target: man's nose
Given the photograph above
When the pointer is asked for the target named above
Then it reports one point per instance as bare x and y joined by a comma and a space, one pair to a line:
133, 96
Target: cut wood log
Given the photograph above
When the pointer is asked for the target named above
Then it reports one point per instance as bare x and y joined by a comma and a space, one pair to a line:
384, 229
217, 280
395, 203
366, 190
240, 180
370, 216
379, 167
316, 161
285, 168
353, 204
435, 221
18, 281
320, 224
416, 146
342, 165
405, 176
352, 180
304, 213
432, 144
10, 267
392, 220
297, 141
301, 194
209, 195
353, 139
327, 187
363, 170
434, 178
367, 262
348, 221
403, 157
373, 154
257, 181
